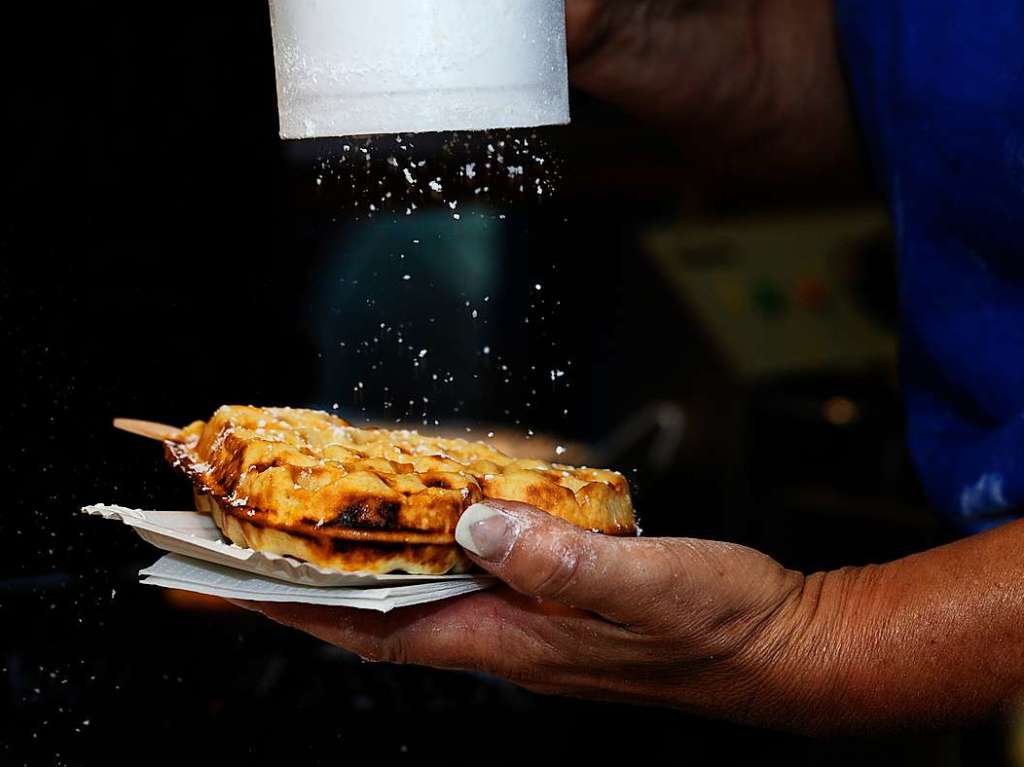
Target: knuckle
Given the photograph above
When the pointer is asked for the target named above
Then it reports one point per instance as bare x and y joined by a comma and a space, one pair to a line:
394, 649
517, 655
556, 575
509, 670
522, 669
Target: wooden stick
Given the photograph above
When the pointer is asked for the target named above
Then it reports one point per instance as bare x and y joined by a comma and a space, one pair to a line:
158, 431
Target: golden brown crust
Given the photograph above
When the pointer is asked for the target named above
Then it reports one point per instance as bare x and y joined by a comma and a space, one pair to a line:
308, 484
338, 554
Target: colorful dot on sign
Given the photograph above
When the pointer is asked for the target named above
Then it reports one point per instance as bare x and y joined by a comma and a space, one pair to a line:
769, 299
812, 294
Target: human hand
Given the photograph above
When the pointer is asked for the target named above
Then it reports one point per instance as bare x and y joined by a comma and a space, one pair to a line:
702, 626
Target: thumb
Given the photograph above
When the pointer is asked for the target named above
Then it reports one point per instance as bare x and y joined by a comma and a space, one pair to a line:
544, 556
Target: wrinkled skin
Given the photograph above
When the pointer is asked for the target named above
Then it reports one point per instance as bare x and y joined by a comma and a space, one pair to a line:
681, 622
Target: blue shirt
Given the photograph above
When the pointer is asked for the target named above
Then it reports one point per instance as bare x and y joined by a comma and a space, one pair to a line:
939, 90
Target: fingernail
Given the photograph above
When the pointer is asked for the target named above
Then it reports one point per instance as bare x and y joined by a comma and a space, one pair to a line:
487, 532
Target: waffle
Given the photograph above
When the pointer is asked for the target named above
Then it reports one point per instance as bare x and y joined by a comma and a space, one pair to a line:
310, 485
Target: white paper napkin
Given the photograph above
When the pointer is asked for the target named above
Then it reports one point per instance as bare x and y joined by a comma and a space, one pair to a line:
175, 571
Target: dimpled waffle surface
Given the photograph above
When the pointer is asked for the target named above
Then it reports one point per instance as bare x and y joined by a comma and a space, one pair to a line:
314, 475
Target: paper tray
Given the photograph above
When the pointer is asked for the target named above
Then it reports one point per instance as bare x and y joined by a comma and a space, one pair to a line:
202, 561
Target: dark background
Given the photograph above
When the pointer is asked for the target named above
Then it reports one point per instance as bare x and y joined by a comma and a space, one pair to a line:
163, 252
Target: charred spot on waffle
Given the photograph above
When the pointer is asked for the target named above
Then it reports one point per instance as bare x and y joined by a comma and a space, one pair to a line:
367, 514
369, 553
437, 482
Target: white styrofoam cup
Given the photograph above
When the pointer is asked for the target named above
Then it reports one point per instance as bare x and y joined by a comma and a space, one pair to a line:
350, 67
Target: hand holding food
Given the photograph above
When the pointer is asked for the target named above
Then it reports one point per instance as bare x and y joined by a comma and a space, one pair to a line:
686, 623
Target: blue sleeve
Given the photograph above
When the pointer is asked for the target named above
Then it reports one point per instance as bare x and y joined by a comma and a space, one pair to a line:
939, 90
